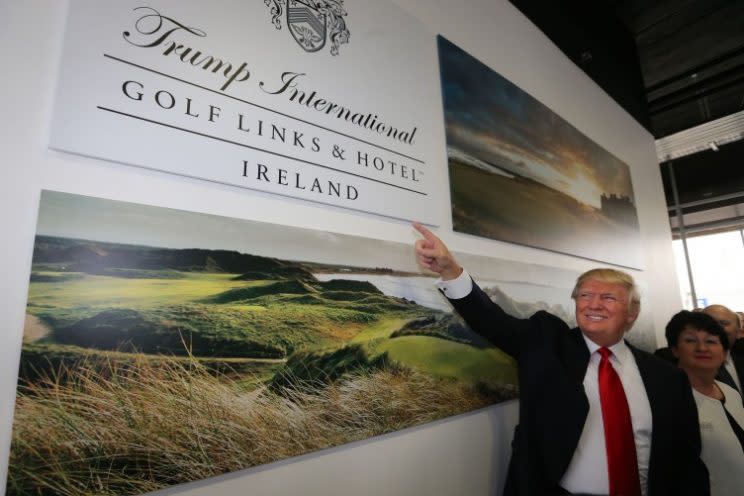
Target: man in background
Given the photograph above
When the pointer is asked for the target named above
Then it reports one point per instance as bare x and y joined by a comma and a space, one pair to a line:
732, 372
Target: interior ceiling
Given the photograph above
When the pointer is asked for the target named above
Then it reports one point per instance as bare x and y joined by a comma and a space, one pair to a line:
673, 65
691, 54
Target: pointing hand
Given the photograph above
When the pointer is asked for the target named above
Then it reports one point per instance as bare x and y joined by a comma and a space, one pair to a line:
433, 254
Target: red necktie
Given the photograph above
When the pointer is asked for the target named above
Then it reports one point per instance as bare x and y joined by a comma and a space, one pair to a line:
622, 464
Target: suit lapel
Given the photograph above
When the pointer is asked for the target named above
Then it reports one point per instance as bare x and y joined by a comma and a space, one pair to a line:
725, 377
737, 356
576, 357
659, 408
738, 359
576, 360
562, 385
650, 380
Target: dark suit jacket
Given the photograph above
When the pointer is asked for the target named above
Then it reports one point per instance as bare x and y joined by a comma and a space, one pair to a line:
738, 346
737, 356
552, 361
665, 353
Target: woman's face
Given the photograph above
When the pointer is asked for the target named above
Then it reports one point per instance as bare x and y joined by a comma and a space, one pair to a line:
698, 350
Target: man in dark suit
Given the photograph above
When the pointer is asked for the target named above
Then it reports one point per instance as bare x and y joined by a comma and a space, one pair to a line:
732, 371
597, 416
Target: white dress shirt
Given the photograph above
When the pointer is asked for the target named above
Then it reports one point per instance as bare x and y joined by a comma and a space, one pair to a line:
455, 289
587, 472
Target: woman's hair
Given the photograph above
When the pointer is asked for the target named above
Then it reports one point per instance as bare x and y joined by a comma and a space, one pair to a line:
694, 320
612, 276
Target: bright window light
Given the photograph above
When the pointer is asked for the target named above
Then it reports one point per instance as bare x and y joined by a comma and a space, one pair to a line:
717, 262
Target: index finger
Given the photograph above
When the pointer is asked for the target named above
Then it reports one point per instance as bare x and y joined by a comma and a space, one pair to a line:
427, 234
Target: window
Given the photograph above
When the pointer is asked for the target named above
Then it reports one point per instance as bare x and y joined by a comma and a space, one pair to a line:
717, 262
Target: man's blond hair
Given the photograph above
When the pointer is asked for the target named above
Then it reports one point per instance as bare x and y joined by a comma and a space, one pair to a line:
612, 276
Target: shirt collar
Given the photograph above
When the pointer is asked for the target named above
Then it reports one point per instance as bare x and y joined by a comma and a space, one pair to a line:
619, 350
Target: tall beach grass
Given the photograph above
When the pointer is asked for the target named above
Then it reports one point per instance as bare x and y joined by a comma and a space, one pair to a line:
104, 429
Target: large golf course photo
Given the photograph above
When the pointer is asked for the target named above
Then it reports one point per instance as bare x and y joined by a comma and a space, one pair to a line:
165, 359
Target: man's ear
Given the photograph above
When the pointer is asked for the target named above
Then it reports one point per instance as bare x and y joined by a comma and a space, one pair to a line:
675, 352
631, 319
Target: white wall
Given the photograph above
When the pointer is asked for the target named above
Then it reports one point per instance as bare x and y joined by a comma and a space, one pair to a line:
463, 455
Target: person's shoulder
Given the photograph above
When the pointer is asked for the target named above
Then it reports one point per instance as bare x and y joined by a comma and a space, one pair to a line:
733, 401
544, 314
666, 354
728, 391
656, 362
551, 330
547, 319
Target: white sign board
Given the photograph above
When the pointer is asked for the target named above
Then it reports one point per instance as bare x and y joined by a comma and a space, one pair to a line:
332, 102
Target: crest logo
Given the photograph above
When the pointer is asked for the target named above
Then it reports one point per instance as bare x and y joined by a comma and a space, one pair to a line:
312, 22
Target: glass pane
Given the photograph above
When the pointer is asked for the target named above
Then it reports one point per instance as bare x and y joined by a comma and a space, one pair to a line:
684, 279
717, 267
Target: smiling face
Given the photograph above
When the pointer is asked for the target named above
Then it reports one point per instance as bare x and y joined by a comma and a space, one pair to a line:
699, 351
603, 311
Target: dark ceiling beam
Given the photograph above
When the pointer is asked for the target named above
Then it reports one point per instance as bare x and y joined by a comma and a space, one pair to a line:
650, 19
711, 202
697, 69
721, 225
722, 81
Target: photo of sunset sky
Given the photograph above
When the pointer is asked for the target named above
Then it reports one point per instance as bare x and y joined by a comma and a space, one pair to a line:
522, 174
